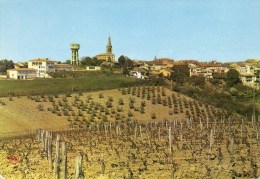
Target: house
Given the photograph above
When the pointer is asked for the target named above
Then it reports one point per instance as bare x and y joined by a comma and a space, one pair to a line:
61, 67
248, 79
166, 72
18, 65
139, 74
93, 68
21, 73
158, 66
146, 65
207, 70
42, 65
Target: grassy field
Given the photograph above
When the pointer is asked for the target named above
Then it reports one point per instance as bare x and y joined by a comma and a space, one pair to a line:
62, 85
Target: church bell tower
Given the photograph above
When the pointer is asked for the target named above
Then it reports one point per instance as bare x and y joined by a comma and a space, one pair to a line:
109, 46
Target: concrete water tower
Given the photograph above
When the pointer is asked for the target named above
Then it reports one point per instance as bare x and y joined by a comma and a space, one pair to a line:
74, 54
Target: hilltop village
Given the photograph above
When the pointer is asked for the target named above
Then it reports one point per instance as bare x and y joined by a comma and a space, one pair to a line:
248, 71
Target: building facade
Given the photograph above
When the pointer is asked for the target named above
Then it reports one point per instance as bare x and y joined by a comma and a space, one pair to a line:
93, 68
21, 73
61, 67
42, 65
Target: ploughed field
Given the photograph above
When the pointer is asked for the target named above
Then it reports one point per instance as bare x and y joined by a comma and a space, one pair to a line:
138, 132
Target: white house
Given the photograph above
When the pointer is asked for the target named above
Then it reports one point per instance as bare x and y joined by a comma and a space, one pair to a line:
21, 73
93, 68
248, 79
138, 74
42, 65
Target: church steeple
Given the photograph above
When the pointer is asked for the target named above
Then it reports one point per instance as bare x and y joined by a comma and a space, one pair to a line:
109, 45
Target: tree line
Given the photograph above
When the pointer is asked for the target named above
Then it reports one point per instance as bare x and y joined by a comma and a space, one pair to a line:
5, 65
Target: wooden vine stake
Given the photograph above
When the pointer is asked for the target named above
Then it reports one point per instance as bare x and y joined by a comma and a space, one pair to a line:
64, 160
57, 158
210, 141
140, 127
159, 134
42, 139
170, 140
46, 139
49, 150
149, 140
135, 133
78, 167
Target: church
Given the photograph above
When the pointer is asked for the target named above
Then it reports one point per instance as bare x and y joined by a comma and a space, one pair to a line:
107, 56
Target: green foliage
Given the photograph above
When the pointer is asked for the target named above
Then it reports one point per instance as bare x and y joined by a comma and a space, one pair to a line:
68, 62
121, 61
197, 81
88, 61
63, 85
180, 74
70, 74
125, 62
157, 81
5, 65
125, 71
237, 99
232, 77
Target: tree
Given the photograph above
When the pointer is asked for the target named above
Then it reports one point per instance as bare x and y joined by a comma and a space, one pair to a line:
124, 61
5, 65
68, 62
198, 81
125, 71
129, 63
88, 61
121, 60
232, 77
180, 73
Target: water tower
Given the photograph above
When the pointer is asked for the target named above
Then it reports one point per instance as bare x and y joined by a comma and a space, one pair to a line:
74, 54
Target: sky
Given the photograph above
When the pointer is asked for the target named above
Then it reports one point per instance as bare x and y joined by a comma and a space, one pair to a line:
222, 30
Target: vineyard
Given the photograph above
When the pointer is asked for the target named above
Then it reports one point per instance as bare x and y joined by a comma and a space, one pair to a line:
135, 132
